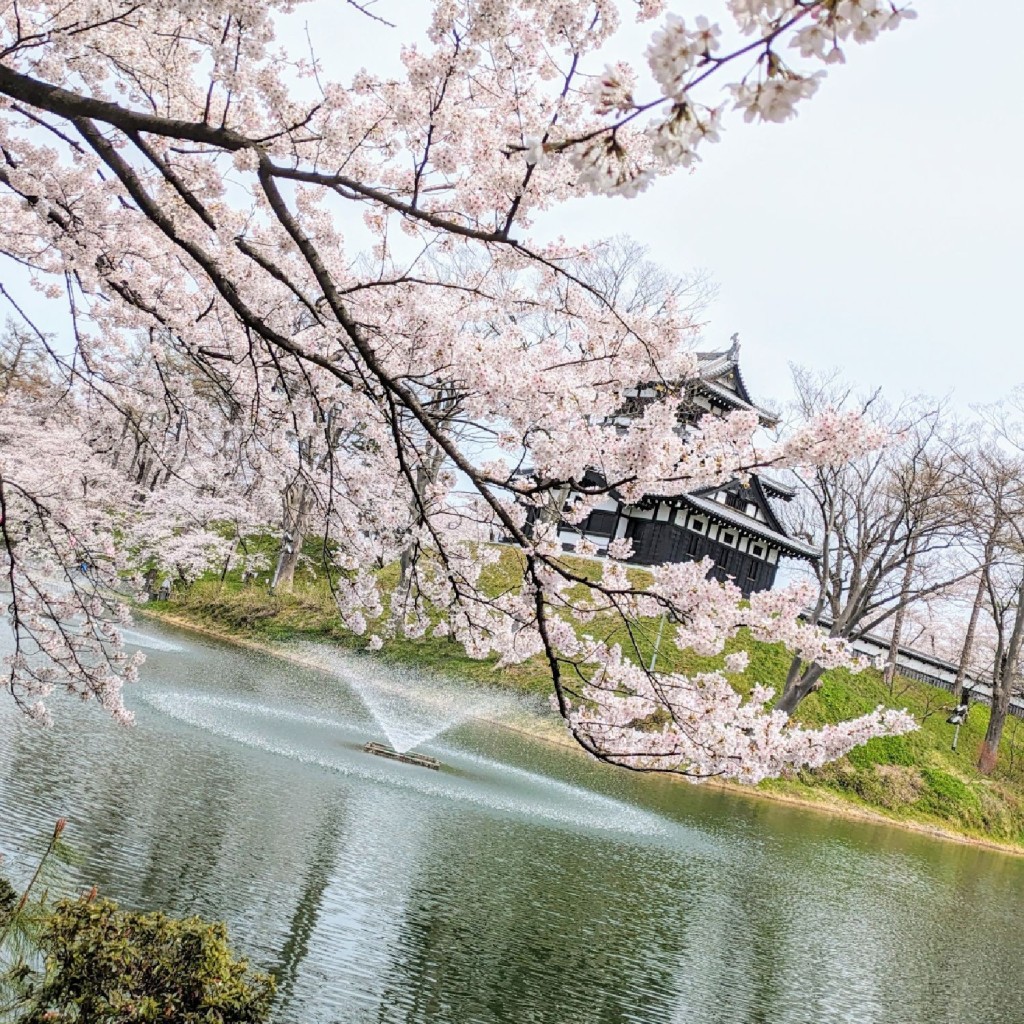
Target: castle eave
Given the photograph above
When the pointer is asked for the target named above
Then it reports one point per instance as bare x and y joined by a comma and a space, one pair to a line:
733, 517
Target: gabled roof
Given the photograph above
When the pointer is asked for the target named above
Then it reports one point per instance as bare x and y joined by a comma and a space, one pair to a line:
776, 488
770, 516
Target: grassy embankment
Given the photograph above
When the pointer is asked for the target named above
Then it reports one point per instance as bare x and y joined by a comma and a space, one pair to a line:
915, 778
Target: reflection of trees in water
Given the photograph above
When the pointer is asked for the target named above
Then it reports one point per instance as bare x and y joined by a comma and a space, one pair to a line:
954, 942
350, 912
759, 974
196, 827
375, 903
189, 812
124, 805
316, 877
508, 921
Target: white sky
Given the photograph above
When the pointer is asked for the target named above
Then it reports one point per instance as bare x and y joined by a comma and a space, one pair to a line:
881, 231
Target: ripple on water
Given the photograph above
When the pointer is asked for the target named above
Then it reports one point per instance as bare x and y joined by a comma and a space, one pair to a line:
386, 894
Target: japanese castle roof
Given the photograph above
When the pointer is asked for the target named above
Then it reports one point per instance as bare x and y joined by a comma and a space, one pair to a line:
776, 488
772, 532
719, 377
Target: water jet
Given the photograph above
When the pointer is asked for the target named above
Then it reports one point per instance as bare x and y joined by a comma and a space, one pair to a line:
405, 757
411, 708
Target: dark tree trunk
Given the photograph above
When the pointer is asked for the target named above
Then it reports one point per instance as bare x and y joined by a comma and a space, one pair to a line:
425, 476
993, 734
227, 561
1002, 689
897, 626
968, 647
295, 523
284, 576
800, 683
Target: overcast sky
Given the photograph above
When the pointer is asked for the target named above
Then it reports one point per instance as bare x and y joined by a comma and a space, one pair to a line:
881, 231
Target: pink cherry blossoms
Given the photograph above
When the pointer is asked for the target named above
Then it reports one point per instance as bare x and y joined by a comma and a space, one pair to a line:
295, 296
701, 727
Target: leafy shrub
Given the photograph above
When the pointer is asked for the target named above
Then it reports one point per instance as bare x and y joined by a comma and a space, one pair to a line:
8, 898
105, 964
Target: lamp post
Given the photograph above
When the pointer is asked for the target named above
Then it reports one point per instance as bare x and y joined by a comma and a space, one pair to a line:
959, 715
657, 642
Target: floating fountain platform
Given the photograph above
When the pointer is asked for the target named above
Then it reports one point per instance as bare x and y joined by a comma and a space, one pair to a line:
407, 758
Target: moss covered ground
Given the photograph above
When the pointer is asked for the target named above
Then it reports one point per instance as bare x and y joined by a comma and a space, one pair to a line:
915, 778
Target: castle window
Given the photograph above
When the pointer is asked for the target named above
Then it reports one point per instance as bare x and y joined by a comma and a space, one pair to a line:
757, 551
729, 538
600, 523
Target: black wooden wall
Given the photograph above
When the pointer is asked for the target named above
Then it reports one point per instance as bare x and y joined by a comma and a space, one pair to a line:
657, 542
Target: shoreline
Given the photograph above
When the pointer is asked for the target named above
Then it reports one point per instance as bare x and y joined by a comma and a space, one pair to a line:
836, 807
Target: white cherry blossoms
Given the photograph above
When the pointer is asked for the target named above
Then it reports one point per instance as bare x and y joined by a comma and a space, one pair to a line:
688, 56
698, 725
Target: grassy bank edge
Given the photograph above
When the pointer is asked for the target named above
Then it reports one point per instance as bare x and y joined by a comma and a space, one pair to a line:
550, 731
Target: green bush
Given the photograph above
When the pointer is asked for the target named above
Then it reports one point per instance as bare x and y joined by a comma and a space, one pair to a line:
8, 898
105, 964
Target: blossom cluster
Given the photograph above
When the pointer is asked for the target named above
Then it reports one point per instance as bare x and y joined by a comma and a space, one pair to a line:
700, 727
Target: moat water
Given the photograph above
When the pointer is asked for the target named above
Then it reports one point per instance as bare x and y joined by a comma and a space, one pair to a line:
520, 884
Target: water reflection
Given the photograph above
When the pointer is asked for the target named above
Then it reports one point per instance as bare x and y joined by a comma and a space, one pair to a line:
380, 895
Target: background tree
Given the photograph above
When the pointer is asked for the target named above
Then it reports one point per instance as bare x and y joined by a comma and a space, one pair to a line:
1004, 579
991, 482
884, 523
997, 472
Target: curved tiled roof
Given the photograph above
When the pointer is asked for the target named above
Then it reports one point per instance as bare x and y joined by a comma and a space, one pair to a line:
712, 366
776, 488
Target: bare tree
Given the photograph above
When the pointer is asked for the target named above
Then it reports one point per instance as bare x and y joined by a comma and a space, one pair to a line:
884, 524
1000, 479
992, 481
1005, 590
23, 362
